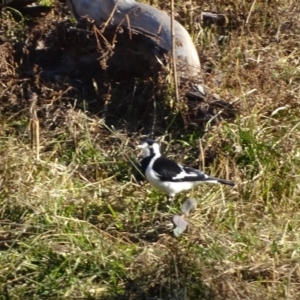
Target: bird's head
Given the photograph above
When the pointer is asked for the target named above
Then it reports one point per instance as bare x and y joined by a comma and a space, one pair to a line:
149, 147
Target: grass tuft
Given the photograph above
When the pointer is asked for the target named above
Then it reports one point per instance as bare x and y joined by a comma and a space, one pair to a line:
80, 224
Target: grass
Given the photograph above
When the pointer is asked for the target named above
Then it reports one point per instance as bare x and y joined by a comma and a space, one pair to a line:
79, 224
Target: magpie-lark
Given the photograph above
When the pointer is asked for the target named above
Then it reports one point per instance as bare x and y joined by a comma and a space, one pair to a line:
169, 177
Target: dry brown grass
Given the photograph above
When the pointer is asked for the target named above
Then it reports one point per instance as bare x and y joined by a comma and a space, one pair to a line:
78, 224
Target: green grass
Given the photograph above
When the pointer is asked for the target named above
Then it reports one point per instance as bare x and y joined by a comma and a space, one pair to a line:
78, 224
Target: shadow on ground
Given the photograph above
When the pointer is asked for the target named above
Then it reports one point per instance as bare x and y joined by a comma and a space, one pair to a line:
172, 277
66, 66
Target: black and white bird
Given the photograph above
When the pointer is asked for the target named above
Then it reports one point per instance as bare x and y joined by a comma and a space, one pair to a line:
169, 177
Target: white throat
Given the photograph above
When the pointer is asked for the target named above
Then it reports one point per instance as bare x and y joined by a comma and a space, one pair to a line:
156, 151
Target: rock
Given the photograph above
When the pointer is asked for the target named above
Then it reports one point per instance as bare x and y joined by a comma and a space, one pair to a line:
142, 19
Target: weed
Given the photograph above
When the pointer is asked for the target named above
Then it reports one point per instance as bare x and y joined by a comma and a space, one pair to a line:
79, 224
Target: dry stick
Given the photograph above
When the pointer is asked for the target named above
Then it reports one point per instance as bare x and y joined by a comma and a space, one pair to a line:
154, 117
98, 32
173, 51
111, 16
35, 127
250, 12
128, 23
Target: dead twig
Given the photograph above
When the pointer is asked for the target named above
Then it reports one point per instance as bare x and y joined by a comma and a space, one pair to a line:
34, 126
174, 61
250, 12
110, 17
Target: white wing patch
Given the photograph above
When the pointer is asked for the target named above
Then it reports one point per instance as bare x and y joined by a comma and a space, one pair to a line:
183, 174
155, 175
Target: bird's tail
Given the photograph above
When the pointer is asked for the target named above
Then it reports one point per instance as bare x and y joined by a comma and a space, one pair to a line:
219, 180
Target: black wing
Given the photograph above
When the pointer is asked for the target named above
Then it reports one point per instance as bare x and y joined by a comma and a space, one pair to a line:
200, 176
193, 174
168, 170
